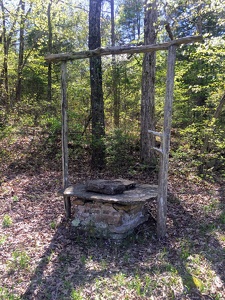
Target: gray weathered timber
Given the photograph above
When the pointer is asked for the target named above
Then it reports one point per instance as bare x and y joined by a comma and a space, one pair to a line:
64, 124
121, 49
164, 158
64, 104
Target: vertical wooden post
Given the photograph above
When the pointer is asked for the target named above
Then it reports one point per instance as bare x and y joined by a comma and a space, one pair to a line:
165, 147
64, 106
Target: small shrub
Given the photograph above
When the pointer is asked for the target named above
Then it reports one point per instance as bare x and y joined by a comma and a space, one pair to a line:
76, 295
53, 225
120, 150
6, 295
7, 221
222, 218
20, 260
3, 239
15, 198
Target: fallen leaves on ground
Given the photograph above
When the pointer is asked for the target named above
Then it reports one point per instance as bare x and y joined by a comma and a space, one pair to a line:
43, 257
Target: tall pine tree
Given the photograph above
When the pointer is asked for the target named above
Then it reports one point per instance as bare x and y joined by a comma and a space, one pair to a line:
97, 104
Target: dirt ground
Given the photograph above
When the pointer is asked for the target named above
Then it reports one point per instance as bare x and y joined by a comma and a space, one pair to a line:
44, 257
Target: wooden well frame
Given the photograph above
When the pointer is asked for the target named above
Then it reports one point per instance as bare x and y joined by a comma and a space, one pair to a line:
163, 151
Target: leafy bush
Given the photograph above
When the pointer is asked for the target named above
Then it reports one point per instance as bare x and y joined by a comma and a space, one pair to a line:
6, 295
20, 260
202, 145
7, 221
120, 150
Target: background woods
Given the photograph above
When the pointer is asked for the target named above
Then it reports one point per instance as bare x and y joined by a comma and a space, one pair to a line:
127, 105
110, 110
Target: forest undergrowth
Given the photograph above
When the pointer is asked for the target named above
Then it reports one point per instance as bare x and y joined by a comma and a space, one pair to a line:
43, 257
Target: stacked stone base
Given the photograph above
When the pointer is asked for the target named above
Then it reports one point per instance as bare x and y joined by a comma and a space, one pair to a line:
110, 215
108, 220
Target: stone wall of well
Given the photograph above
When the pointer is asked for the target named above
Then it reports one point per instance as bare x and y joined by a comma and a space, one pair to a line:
109, 220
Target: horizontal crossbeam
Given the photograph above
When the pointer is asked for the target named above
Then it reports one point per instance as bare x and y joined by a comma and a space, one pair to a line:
128, 49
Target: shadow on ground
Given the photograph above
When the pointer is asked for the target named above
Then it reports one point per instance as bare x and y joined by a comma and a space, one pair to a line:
188, 264
139, 267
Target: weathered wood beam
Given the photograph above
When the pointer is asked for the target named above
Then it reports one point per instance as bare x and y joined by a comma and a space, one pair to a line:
164, 158
159, 134
64, 103
121, 49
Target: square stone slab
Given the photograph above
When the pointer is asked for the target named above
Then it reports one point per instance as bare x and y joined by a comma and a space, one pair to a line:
109, 187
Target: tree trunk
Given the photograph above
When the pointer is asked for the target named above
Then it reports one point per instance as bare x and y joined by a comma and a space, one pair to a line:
4, 74
97, 104
7, 38
49, 95
21, 53
116, 99
148, 86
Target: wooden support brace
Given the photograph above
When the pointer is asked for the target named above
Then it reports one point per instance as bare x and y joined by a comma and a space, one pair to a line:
159, 150
156, 133
64, 106
164, 158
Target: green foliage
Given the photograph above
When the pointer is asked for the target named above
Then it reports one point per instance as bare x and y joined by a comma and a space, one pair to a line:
222, 218
128, 76
76, 295
120, 150
20, 260
6, 295
54, 125
5, 131
201, 85
199, 82
15, 198
136, 284
3, 239
130, 20
7, 221
53, 225
203, 147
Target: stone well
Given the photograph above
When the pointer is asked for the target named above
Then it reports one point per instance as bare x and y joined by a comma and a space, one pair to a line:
110, 209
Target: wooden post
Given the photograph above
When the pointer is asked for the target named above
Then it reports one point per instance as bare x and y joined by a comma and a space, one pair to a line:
165, 147
64, 106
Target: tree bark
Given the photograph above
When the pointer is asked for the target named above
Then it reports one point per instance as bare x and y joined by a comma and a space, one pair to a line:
148, 86
4, 74
7, 38
116, 98
21, 53
49, 95
97, 104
